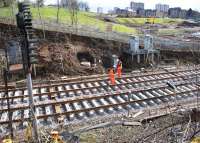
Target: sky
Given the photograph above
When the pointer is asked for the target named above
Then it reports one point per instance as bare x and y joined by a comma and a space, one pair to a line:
149, 4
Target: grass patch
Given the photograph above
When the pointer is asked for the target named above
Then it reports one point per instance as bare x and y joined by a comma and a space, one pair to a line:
85, 19
142, 21
124, 29
170, 32
6, 12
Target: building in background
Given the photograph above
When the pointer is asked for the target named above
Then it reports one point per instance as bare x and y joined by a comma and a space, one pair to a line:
174, 12
183, 14
140, 13
162, 10
100, 10
150, 13
64, 3
115, 9
123, 12
136, 6
192, 14
83, 6
162, 7
128, 9
177, 12
136, 9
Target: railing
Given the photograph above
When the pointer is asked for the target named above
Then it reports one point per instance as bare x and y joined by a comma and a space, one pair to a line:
80, 30
174, 45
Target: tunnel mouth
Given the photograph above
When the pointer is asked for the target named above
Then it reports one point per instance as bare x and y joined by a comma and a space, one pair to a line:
107, 61
85, 57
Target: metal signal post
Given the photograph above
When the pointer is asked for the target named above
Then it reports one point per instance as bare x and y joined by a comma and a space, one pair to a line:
29, 55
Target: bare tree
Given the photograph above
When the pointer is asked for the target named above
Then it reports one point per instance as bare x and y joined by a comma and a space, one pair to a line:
58, 11
6, 3
40, 3
83, 6
42, 22
73, 10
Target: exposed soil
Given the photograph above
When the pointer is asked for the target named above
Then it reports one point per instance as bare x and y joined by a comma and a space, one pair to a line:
62, 58
62, 54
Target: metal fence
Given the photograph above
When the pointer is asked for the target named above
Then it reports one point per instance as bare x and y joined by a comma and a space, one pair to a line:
81, 30
177, 46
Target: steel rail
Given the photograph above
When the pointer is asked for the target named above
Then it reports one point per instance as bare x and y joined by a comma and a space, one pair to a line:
94, 96
67, 113
100, 86
100, 79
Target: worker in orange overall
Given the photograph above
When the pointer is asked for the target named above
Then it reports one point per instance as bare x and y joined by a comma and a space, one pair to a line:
119, 69
112, 76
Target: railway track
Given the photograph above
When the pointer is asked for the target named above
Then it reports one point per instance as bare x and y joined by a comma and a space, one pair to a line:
83, 79
68, 102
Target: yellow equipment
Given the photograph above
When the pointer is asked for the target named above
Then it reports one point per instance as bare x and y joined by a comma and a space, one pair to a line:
7, 141
196, 140
151, 20
55, 137
28, 132
58, 110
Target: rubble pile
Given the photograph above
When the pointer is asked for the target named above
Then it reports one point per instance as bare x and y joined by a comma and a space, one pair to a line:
61, 58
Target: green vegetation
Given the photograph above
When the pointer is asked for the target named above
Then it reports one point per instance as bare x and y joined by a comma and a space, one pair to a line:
124, 29
6, 12
141, 21
170, 32
84, 18
89, 19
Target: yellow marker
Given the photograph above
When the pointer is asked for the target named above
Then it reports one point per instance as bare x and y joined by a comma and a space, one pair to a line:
28, 132
7, 141
57, 108
54, 136
196, 140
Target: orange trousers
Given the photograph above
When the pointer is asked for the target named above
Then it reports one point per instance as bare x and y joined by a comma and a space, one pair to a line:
112, 76
119, 72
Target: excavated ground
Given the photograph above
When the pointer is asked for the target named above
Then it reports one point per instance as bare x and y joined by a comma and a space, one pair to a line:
61, 58
67, 58
60, 53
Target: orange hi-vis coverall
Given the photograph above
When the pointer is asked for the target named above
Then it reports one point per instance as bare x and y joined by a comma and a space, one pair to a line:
112, 76
119, 70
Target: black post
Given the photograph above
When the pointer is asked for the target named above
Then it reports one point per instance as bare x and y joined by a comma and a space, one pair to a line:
24, 23
8, 101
